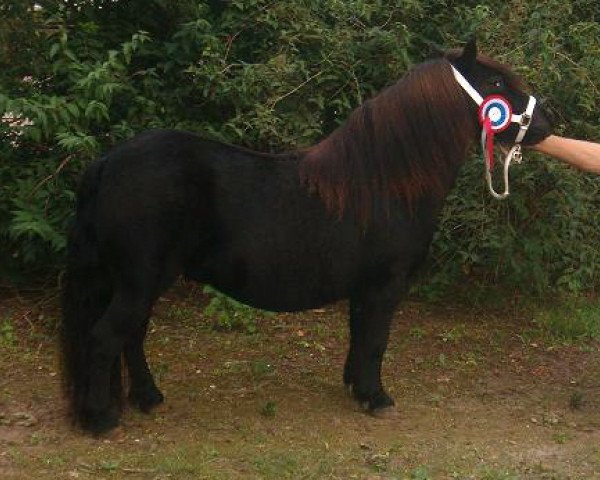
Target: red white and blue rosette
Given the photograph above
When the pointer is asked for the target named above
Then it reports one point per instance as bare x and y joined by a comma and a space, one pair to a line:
497, 109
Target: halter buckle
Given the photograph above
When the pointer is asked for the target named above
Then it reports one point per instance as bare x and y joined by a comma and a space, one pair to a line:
517, 154
525, 120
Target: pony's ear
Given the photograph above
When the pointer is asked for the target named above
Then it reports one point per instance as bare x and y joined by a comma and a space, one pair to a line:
469, 56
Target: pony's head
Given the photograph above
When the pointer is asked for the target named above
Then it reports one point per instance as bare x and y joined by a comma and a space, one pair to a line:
409, 141
495, 81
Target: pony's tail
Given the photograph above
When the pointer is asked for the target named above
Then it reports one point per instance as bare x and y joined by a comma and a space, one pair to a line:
87, 291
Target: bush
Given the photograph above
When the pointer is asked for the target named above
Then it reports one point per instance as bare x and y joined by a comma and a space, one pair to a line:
280, 75
230, 315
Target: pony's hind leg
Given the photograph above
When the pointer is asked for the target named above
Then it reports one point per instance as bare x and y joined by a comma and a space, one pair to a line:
128, 310
143, 392
371, 313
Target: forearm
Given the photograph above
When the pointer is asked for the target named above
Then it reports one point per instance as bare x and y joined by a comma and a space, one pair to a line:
579, 153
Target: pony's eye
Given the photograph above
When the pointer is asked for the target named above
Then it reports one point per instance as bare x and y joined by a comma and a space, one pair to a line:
498, 83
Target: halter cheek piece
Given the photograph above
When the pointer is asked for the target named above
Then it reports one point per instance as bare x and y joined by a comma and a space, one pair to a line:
496, 115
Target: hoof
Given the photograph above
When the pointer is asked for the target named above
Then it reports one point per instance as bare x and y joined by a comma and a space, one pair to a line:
147, 399
375, 402
384, 412
117, 435
99, 422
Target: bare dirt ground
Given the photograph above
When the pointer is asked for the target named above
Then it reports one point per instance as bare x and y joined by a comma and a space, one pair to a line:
480, 395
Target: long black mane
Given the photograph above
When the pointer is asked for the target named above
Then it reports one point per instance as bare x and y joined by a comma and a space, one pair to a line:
406, 142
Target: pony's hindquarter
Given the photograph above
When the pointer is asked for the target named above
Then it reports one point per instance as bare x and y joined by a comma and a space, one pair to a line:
121, 255
86, 293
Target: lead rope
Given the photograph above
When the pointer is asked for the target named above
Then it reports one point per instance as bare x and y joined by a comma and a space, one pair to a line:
487, 145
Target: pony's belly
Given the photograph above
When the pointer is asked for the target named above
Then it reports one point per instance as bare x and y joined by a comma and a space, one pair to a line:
285, 302
275, 288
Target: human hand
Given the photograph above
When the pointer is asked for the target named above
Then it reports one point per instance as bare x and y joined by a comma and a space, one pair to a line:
579, 153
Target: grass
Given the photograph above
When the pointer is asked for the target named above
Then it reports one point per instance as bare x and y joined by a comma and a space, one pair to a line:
417, 333
497, 474
294, 421
229, 314
181, 314
570, 321
269, 409
8, 337
420, 473
261, 368
561, 437
186, 462
278, 464
454, 334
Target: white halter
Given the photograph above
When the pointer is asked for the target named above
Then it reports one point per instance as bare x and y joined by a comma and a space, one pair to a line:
495, 116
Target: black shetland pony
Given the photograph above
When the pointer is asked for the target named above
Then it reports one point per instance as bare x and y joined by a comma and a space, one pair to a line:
351, 217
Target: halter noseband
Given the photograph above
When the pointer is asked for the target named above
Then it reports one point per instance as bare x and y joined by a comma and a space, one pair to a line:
495, 116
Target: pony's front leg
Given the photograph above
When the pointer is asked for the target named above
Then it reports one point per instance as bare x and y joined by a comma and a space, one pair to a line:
371, 311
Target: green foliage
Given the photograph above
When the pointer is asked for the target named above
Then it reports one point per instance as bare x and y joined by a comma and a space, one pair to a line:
8, 338
546, 234
420, 473
454, 335
229, 314
573, 320
261, 368
269, 409
79, 77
